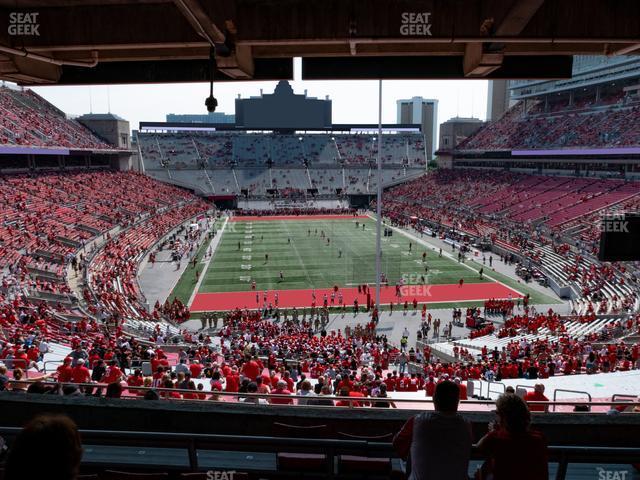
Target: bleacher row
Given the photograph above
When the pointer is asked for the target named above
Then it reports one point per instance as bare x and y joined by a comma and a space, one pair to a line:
288, 181
606, 123
48, 218
215, 150
574, 329
28, 120
594, 282
113, 271
501, 207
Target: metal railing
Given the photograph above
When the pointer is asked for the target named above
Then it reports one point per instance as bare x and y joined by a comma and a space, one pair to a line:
555, 396
290, 400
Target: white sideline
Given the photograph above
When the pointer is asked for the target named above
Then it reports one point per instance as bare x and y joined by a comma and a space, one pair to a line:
213, 244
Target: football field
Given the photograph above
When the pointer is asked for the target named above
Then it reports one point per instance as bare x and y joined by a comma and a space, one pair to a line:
297, 256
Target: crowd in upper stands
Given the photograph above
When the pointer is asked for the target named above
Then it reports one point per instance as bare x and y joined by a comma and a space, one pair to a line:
211, 150
563, 125
28, 120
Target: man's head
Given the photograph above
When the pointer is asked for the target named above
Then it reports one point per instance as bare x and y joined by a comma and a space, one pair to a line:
539, 388
446, 397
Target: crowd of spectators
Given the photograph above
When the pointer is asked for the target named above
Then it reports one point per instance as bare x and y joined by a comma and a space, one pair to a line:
491, 205
571, 126
218, 150
113, 271
26, 119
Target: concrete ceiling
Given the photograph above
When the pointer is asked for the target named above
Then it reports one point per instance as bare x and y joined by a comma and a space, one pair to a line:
121, 41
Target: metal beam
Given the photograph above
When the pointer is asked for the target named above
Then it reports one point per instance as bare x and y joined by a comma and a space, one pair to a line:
625, 50
481, 59
200, 21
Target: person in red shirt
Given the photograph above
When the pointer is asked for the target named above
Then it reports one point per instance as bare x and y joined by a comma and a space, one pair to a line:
80, 373
193, 393
114, 374
155, 362
390, 382
537, 396
65, 371
274, 379
168, 384
196, 369
505, 443
20, 360
286, 377
343, 403
356, 394
136, 380
250, 369
430, 387
281, 389
463, 389
233, 381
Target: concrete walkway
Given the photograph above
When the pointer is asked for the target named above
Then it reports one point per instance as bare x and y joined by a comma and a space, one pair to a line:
158, 280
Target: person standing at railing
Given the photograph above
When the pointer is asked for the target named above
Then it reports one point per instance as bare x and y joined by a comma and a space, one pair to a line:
508, 440
537, 396
437, 444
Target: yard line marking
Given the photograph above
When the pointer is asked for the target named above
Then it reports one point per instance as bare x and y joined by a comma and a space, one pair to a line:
295, 249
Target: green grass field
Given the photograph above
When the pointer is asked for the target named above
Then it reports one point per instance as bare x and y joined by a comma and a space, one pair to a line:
310, 262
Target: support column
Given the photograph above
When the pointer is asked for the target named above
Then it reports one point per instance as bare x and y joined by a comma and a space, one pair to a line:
379, 199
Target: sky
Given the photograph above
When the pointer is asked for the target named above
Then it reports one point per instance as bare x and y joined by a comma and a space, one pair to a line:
353, 101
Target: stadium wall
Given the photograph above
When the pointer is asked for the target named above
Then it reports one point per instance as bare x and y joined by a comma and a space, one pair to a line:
238, 419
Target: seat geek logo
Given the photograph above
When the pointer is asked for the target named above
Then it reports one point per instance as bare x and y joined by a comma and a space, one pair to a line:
415, 24
24, 24
614, 223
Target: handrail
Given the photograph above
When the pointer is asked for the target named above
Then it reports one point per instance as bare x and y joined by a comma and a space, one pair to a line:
350, 400
555, 394
524, 387
489, 391
622, 395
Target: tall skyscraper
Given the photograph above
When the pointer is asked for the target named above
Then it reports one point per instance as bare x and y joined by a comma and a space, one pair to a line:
425, 112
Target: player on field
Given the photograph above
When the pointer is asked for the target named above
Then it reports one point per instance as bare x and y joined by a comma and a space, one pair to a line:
281, 276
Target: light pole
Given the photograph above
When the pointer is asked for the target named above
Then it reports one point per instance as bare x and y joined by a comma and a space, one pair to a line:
379, 199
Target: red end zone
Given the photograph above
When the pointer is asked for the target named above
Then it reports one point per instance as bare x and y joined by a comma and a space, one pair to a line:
303, 298
267, 218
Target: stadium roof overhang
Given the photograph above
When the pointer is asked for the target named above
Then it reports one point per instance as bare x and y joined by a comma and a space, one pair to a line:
127, 41
232, 127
